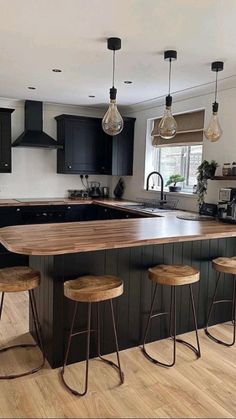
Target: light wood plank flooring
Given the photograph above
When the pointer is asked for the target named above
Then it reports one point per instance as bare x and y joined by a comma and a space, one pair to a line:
193, 388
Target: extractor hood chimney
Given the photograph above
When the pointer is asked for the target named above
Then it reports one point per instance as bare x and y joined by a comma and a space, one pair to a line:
33, 136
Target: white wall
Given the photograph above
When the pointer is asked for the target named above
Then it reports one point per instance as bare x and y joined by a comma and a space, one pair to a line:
34, 170
222, 151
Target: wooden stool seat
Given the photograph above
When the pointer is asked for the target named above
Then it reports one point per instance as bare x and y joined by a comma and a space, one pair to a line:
18, 278
226, 265
93, 288
174, 274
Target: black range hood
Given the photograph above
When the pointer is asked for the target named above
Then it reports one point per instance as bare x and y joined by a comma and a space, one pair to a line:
33, 136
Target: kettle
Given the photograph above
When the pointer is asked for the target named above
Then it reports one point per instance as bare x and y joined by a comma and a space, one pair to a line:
95, 190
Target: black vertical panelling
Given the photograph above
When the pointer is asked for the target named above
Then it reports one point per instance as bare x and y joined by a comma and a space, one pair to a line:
203, 301
132, 308
135, 296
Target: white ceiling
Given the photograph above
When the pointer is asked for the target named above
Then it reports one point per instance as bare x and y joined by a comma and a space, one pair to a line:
37, 36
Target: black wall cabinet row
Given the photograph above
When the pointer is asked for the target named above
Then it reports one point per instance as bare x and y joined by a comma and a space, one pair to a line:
87, 149
5, 140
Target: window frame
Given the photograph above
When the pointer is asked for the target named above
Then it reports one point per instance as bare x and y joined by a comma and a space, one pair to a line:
185, 164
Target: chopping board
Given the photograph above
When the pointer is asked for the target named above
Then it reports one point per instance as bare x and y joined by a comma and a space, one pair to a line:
196, 217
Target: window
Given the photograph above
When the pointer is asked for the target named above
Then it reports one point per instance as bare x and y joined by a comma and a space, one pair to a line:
180, 155
181, 159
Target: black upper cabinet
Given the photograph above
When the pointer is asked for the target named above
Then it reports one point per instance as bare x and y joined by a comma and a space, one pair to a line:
123, 150
87, 149
5, 140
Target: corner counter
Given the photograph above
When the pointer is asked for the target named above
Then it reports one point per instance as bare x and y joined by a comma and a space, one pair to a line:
126, 248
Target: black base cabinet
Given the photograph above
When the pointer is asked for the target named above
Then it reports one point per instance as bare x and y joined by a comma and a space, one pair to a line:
88, 150
5, 140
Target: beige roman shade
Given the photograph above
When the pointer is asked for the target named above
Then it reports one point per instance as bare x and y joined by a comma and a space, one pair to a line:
190, 130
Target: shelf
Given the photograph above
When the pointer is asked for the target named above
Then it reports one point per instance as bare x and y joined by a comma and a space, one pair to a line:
223, 178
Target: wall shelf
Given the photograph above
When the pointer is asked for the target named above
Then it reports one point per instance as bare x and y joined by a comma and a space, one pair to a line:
223, 178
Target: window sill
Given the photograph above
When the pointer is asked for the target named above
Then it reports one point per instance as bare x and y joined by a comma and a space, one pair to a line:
183, 194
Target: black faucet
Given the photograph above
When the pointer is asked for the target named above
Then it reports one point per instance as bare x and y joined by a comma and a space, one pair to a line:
162, 184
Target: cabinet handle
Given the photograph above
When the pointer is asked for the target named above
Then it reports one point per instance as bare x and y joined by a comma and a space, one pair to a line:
127, 215
6, 164
17, 209
69, 166
68, 207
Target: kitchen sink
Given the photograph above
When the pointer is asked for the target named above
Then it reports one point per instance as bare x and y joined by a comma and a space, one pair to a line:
143, 207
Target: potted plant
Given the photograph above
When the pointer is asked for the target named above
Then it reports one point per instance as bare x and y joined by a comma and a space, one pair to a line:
205, 171
175, 179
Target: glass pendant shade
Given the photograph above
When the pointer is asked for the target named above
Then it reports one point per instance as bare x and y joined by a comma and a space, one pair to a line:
213, 131
168, 125
167, 128
112, 122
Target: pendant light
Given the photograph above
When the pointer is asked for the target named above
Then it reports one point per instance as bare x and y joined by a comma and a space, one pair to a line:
168, 125
214, 131
112, 122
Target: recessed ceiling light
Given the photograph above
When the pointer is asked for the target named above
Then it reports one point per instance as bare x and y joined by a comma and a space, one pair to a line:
56, 70
128, 82
31, 88
92, 96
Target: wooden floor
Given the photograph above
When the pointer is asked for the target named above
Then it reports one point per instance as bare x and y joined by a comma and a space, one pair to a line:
193, 388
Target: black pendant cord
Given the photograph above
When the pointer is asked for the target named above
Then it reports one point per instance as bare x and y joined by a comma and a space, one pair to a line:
216, 85
113, 69
169, 75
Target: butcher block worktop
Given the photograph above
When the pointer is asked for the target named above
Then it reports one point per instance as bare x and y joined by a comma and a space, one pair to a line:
56, 239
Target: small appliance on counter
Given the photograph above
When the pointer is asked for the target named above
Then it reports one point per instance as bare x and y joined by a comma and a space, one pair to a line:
77, 194
226, 194
105, 192
95, 190
208, 209
227, 205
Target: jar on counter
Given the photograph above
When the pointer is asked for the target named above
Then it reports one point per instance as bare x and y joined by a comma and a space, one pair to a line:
233, 169
226, 169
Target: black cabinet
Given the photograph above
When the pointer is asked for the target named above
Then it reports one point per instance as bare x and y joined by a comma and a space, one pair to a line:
5, 140
123, 150
88, 150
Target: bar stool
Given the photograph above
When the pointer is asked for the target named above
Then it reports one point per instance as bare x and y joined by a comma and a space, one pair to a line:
228, 266
92, 289
172, 275
17, 279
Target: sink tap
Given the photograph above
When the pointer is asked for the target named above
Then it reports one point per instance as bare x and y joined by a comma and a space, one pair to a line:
162, 184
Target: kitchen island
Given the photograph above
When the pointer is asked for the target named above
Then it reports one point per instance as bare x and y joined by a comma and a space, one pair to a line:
127, 248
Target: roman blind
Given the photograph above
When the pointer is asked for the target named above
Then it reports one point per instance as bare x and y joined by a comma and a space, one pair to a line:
190, 130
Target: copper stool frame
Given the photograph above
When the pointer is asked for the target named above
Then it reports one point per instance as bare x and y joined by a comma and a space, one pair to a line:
26, 345
88, 332
172, 329
233, 319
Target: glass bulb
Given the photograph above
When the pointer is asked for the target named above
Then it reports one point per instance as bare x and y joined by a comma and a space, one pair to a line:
168, 125
213, 131
112, 122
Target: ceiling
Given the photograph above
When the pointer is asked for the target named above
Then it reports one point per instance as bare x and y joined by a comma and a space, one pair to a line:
37, 36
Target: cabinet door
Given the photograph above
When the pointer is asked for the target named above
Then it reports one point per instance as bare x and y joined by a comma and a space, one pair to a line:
105, 143
123, 145
5, 142
81, 145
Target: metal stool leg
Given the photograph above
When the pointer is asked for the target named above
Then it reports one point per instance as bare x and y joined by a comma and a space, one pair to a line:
75, 392
1, 306
197, 350
118, 367
214, 301
38, 335
172, 327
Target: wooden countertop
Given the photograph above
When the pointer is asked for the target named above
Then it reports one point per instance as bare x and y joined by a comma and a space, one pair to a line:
56, 239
